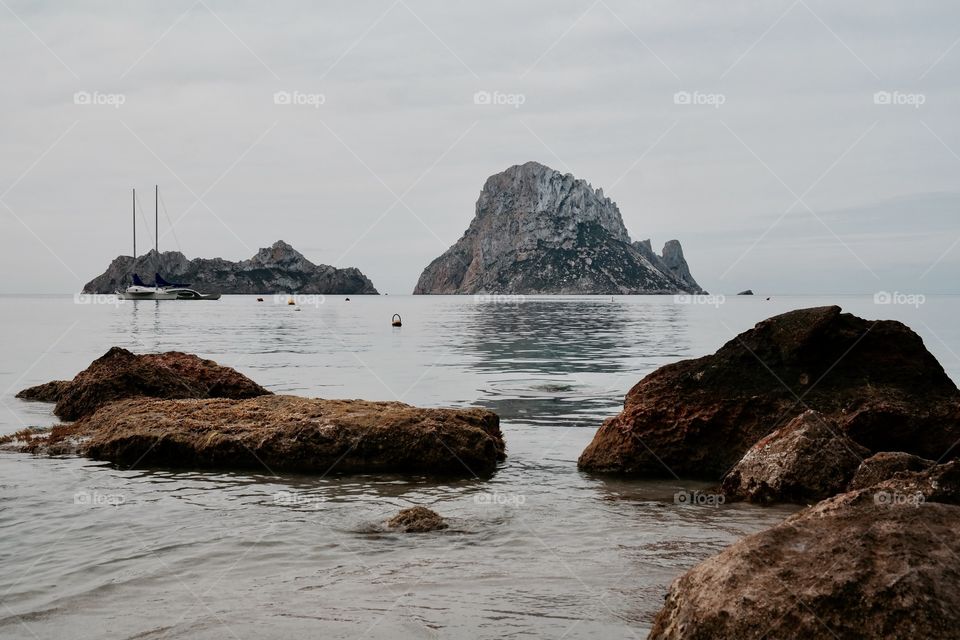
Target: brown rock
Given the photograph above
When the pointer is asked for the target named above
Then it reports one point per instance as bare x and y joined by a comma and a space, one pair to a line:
121, 374
885, 465
46, 392
698, 417
939, 483
287, 433
808, 460
848, 567
417, 520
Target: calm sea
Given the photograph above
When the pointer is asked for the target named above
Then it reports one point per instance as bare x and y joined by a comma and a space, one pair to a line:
540, 550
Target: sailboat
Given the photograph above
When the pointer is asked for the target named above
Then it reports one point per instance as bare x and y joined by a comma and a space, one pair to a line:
160, 289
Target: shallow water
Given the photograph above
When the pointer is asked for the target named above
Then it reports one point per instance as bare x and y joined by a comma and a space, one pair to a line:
539, 550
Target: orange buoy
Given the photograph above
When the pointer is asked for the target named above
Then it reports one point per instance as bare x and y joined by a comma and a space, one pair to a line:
291, 301
395, 321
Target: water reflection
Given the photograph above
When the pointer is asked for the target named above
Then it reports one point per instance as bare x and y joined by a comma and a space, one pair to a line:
567, 361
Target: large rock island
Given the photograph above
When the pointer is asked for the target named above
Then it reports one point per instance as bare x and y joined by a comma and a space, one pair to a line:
276, 269
538, 231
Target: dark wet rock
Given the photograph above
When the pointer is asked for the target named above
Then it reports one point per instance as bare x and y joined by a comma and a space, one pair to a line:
276, 269
807, 460
884, 465
417, 520
748, 292
699, 417
537, 231
46, 392
852, 566
939, 483
284, 433
122, 374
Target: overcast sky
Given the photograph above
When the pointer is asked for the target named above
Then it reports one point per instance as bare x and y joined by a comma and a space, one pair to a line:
789, 176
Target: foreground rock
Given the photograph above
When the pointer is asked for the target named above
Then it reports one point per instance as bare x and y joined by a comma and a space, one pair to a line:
417, 520
277, 269
537, 231
284, 433
121, 374
699, 417
806, 461
852, 566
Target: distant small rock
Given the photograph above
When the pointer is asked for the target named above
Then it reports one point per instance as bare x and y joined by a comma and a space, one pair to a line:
748, 292
417, 520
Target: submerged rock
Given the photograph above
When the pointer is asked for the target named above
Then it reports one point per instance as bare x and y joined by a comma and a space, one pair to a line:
853, 566
286, 433
121, 374
699, 417
276, 269
537, 231
417, 520
808, 460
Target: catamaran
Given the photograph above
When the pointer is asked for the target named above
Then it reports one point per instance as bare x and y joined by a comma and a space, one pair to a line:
160, 289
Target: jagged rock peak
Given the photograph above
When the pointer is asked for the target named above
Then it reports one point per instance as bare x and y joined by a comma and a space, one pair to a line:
537, 230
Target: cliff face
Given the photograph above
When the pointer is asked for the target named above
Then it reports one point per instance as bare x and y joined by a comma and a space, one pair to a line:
537, 231
276, 269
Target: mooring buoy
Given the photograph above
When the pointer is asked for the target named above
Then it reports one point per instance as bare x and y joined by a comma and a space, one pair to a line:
259, 299
291, 301
395, 320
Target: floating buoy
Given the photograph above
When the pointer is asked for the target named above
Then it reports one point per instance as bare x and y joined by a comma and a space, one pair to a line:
347, 300
395, 321
291, 301
259, 299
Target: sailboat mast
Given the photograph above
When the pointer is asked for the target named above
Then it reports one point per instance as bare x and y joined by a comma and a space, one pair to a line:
156, 219
134, 223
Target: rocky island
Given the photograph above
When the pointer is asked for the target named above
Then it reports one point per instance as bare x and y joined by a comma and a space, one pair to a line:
538, 231
276, 269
